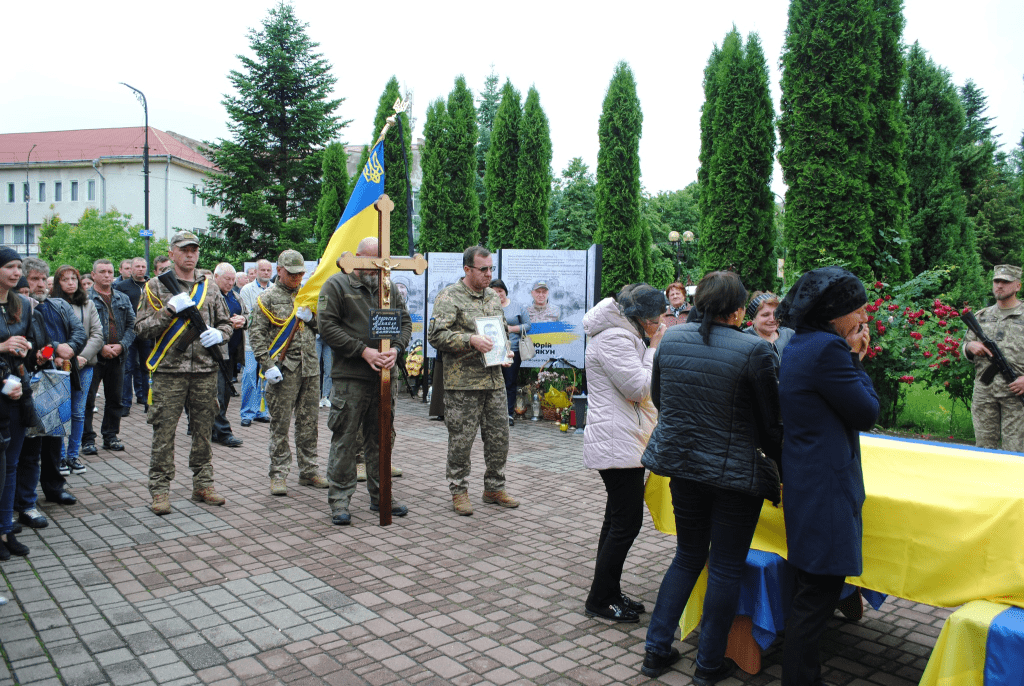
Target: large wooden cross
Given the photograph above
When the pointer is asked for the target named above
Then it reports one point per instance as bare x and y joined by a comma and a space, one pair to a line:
384, 265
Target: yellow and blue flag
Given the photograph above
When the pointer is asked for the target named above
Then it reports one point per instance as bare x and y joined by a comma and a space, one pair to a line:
357, 222
980, 645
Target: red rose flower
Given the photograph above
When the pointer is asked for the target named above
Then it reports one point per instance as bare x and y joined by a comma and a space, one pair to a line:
916, 335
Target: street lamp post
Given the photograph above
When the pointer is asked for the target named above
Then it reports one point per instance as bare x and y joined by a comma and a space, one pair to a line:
28, 193
673, 238
145, 168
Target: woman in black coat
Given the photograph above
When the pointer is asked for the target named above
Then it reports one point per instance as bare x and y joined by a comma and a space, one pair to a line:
827, 399
717, 396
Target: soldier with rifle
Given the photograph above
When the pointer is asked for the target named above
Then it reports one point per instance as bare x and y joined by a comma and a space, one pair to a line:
189, 322
995, 343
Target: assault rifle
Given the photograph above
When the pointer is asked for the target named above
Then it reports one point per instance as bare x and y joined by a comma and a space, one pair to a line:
999, 363
170, 282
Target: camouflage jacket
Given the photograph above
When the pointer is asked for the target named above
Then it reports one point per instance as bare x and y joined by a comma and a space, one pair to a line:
451, 325
153, 319
301, 351
1006, 328
550, 313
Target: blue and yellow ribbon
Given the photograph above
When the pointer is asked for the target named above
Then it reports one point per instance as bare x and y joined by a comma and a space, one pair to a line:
285, 328
173, 332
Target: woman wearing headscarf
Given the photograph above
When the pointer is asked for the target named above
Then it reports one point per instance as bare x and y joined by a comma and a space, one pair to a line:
761, 312
718, 439
827, 399
624, 332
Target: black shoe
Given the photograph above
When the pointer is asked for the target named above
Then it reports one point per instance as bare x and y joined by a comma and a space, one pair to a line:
5, 554
341, 519
189, 432
263, 420
33, 518
89, 449
61, 498
615, 613
246, 422
113, 444
16, 528
511, 420
15, 548
141, 401
230, 442
396, 509
125, 411
76, 466
655, 665
704, 677
630, 604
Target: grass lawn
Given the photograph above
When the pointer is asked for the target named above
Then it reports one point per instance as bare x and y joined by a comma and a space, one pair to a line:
926, 412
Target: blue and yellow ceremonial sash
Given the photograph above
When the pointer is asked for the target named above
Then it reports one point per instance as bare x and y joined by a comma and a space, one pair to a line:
285, 328
173, 332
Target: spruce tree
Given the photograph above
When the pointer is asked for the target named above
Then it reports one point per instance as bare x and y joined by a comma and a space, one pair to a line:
487, 109
460, 165
434, 202
620, 229
976, 150
572, 226
394, 170
280, 119
829, 72
334, 194
533, 179
501, 174
737, 208
887, 176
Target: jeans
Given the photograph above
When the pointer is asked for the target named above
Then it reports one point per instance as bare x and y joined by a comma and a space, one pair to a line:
705, 516
135, 373
77, 416
623, 517
511, 374
11, 471
111, 374
814, 599
251, 391
221, 425
326, 357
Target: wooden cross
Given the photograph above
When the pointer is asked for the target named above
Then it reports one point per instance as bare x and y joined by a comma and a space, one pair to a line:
384, 265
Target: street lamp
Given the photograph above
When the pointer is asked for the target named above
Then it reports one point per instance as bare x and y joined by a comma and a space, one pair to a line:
145, 169
28, 192
673, 238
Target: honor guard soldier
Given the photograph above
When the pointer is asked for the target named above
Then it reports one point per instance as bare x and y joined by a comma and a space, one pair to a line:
183, 367
283, 340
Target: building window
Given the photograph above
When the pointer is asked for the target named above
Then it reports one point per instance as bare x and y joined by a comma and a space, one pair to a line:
22, 237
42, 192
58, 191
195, 193
10, 192
90, 190
74, 191
24, 192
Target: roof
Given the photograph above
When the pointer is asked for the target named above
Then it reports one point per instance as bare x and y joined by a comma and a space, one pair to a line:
89, 144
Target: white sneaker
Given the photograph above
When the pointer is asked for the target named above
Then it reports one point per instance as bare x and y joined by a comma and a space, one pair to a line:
325, 402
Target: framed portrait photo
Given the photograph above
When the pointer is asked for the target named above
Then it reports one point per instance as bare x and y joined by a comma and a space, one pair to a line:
491, 327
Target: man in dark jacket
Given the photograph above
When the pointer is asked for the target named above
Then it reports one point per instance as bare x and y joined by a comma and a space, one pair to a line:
224, 277
135, 375
56, 324
117, 321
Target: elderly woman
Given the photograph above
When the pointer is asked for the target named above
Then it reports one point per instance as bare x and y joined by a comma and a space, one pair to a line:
718, 436
761, 312
827, 398
624, 333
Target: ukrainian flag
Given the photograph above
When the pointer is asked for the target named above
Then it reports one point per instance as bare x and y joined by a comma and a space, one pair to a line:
357, 222
981, 644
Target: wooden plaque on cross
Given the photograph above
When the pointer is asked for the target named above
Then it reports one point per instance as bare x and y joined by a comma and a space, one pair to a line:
384, 264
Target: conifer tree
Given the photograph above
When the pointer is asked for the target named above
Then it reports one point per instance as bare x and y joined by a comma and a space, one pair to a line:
533, 179
394, 170
501, 174
572, 226
460, 165
829, 73
490, 99
434, 201
620, 229
334, 194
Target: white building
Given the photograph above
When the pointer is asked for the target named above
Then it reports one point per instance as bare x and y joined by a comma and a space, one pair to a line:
66, 172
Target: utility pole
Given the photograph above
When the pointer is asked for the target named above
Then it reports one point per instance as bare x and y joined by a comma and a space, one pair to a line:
145, 170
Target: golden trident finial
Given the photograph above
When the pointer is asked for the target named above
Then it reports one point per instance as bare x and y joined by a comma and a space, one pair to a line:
399, 107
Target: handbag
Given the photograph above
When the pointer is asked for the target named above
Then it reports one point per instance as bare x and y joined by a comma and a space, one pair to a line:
51, 397
526, 349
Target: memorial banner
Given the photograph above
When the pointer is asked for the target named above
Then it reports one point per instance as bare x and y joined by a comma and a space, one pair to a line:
412, 287
445, 269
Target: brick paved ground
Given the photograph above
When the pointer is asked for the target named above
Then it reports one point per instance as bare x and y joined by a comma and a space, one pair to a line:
266, 591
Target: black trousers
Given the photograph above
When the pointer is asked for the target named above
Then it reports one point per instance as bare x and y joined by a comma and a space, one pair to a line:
111, 373
221, 426
815, 597
623, 517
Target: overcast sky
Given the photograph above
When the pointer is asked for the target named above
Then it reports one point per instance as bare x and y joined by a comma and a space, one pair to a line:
65, 59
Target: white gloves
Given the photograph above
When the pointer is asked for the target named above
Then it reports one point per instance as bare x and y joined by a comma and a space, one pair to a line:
273, 375
210, 337
180, 302
304, 313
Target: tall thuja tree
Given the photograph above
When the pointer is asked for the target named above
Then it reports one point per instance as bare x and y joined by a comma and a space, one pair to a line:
334, 194
887, 175
705, 185
975, 153
737, 210
487, 109
460, 165
280, 119
572, 226
620, 229
533, 179
940, 234
394, 170
502, 172
435, 204
829, 73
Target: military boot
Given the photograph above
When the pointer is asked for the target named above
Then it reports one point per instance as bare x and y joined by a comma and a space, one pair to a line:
208, 495
360, 472
500, 498
316, 481
278, 487
161, 504
461, 504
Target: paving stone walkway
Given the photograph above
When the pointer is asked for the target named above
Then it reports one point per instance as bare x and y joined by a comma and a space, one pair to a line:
264, 590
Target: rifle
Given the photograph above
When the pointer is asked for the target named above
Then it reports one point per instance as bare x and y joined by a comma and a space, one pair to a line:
999, 363
170, 282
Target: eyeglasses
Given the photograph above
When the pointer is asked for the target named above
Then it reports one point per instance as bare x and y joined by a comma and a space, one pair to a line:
484, 270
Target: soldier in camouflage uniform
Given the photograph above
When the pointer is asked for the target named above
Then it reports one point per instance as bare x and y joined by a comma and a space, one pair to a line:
183, 376
293, 383
344, 311
996, 408
474, 395
541, 310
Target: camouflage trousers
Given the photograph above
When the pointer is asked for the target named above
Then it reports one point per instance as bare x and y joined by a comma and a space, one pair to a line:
464, 412
355, 430
171, 393
994, 417
299, 396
